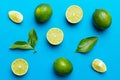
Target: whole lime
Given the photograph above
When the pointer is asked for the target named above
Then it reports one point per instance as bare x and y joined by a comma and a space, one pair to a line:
43, 12
102, 19
63, 66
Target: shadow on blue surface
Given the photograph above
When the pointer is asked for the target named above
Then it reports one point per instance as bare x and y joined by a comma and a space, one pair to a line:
60, 77
21, 51
52, 46
18, 77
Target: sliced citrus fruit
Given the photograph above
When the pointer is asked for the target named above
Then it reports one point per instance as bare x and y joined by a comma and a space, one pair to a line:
74, 14
15, 16
55, 36
99, 66
19, 67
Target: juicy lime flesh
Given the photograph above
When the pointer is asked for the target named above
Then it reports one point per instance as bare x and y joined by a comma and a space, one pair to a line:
19, 67
99, 66
102, 19
63, 66
55, 36
74, 14
15, 16
43, 12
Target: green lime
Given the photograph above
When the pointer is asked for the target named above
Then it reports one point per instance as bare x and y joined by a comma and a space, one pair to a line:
19, 67
102, 19
63, 66
43, 12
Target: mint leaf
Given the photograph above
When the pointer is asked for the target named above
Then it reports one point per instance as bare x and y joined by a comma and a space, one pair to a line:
32, 40
21, 45
86, 44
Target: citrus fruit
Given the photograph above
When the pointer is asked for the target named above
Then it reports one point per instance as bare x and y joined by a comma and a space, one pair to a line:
15, 16
74, 14
63, 66
43, 12
99, 66
19, 67
55, 36
102, 19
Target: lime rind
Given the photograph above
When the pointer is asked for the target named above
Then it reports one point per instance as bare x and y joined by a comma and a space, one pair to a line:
15, 16
74, 14
55, 36
19, 67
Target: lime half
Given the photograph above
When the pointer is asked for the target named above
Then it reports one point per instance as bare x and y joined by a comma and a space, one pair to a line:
19, 67
15, 16
74, 14
99, 66
55, 36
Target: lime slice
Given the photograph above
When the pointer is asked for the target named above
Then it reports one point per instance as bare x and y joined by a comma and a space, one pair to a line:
99, 66
19, 67
74, 14
55, 36
15, 16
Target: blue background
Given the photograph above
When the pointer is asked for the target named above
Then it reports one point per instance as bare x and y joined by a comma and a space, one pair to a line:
41, 63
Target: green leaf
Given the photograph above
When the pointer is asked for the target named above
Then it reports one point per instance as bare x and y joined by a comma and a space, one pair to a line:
32, 40
87, 44
21, 45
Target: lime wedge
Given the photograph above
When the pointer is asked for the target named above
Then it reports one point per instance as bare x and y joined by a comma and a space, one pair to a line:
15, 16
19, 67
55, 36
74, 14
99, 66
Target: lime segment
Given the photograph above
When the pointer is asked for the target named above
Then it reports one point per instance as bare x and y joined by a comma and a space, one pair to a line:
19, 67
55, 36
74, 14
15, 16
99, 66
